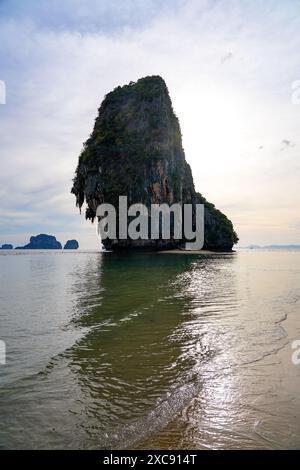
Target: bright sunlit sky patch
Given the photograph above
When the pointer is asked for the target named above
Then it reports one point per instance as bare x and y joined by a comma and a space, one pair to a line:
229, 67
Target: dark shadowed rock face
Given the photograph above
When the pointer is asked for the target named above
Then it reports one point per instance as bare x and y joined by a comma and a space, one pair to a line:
136, 150
42, 242
6, 246
71, 245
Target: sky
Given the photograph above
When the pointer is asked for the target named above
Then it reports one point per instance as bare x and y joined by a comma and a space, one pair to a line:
233, 73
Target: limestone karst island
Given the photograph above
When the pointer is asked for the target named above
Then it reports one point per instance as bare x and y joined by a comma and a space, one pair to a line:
136, 150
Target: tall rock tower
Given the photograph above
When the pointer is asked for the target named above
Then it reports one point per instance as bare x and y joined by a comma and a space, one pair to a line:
135, 150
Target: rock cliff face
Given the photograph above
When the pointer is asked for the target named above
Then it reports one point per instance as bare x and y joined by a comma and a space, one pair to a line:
136, 150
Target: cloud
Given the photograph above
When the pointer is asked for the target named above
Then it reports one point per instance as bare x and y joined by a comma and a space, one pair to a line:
286, 143
92, 16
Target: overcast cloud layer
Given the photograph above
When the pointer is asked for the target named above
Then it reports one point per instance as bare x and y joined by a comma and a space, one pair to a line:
230, 67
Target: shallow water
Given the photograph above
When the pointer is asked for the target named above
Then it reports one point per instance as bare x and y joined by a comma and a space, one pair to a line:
149, 350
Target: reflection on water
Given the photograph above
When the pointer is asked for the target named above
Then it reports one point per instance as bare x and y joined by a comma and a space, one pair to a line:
149, 350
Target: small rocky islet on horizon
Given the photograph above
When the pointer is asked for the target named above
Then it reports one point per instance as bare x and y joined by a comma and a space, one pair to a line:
43, 242
135, 149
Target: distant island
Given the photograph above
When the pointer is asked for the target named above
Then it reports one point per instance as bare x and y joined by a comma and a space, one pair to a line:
46, 242
272, 247
6, 246
136, 150
42, 242
71, 245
